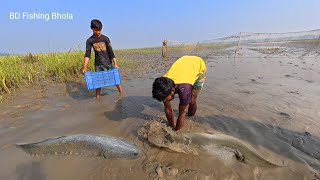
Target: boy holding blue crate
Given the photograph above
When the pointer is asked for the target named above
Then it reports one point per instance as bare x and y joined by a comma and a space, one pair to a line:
104, 56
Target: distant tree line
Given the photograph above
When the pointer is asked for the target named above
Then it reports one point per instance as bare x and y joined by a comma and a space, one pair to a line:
4, 54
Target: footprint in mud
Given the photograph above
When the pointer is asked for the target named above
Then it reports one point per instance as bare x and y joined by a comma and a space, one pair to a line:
166, 171
288, 76
307, 144
159, 171
293, 92
309, 81
287, 116
255, 81
246, 92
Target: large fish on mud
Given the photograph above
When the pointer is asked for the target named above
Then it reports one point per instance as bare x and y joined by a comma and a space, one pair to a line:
162, 136
88, 145
243, 151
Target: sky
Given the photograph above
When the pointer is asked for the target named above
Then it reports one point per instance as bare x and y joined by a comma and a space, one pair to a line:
145, 23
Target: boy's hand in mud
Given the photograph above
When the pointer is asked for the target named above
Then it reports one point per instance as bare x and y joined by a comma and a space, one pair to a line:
84, 69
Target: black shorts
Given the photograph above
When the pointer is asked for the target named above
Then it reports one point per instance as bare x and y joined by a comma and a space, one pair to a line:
105, 67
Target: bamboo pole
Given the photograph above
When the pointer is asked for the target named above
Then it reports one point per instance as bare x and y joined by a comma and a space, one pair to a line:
165, 49
235, 52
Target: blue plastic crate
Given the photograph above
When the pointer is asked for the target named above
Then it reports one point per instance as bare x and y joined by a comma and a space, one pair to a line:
101, 79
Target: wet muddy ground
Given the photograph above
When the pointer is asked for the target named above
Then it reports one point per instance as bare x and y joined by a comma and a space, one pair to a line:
270, 103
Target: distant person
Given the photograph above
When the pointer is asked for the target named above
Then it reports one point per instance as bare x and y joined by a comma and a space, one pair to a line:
186, 78
104, 56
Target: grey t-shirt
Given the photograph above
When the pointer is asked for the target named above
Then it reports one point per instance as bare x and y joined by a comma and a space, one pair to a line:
102, 48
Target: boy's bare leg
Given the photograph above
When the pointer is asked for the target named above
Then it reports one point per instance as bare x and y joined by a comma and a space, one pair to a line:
192, 109
119, 87
98, 92
119, 97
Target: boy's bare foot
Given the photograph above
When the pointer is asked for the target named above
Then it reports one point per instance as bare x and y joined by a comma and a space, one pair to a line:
119, 97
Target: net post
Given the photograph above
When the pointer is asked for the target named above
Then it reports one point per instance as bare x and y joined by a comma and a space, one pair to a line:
235, 52
165, 49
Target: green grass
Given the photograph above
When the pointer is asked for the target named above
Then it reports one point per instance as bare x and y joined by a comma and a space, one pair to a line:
141, 51
196, 47
312, 41
31, 69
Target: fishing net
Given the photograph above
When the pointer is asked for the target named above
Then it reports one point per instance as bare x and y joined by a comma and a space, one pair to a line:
304, 44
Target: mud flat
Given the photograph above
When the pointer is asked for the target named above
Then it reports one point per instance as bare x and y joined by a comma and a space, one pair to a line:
271, 104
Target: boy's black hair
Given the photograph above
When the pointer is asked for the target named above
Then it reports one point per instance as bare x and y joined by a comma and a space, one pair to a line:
161, 88
96, 24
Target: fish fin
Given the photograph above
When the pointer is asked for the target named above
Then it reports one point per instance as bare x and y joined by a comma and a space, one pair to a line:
53, 138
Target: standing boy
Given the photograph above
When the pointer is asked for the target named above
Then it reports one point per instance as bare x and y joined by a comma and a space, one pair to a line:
104, 56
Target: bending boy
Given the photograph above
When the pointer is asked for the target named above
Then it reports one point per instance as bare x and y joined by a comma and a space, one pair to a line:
186, 78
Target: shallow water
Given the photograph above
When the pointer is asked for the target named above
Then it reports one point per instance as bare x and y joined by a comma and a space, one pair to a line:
272, 104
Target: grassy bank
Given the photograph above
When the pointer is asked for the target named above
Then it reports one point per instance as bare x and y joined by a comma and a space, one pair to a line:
32, 69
